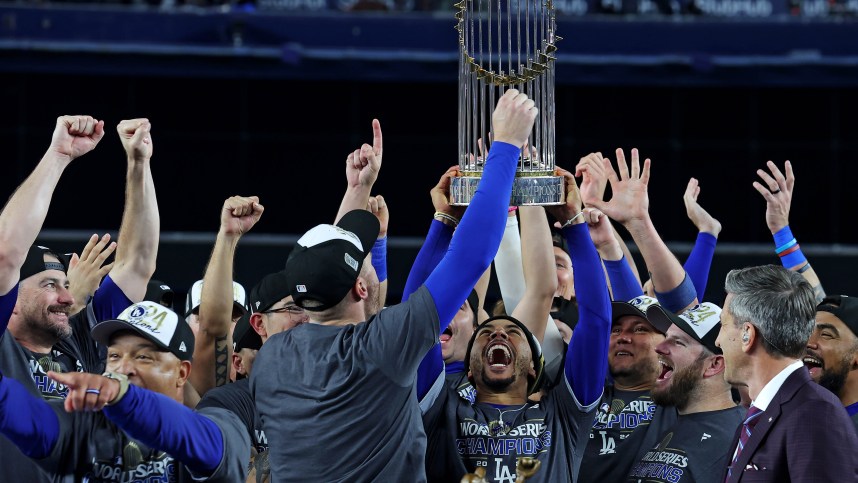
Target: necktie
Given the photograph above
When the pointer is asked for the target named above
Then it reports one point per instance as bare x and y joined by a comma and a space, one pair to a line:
750, 421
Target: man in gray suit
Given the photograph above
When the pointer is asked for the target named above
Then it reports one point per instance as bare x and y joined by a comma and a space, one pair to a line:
795, 430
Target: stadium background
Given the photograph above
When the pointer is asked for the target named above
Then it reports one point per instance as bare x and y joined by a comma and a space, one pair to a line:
268, 99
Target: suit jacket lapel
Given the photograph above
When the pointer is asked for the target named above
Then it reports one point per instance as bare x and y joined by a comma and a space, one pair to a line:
767, 420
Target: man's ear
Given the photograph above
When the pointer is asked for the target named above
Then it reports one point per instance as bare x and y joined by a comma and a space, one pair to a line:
360, 290
236, 364
184, 372
749, 336
714, 366
258, 325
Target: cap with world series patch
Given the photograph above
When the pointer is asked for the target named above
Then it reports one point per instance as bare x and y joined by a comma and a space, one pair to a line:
192, 301
637, 307
35, 262
702, 322
327, 260
153, 322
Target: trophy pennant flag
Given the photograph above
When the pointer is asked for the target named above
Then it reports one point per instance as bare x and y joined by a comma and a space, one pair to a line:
507, 44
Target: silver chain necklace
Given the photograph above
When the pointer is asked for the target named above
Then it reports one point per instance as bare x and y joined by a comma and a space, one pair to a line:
499, 427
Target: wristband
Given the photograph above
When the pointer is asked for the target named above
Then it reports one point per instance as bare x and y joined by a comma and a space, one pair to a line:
123, 385
678, 298
783, 237
786, 246
805, 268
789, 250
379, 258
794, 259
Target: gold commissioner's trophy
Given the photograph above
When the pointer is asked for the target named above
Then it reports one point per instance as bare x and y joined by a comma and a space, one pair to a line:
507, 44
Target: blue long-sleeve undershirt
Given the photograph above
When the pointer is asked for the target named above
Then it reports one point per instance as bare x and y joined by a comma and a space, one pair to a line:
624, 284
7, 304
700, 261
162, 423
28, 421
587, 354
433, 250
472, 249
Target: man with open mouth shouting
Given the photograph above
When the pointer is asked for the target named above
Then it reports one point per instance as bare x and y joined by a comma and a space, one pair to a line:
832, 350
505, 365
691, 379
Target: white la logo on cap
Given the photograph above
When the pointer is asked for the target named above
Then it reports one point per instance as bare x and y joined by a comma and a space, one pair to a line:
182, 347
643, 302
151, 318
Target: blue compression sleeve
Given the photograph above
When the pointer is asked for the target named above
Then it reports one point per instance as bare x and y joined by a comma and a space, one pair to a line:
7, 304
679, 297
109, 300
428, 371
587, 354
26, 420
624, 284
432, 251
477, 237
699, 261
164, 424
379, 258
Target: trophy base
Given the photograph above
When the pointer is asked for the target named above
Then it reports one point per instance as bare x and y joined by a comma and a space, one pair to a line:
526, 190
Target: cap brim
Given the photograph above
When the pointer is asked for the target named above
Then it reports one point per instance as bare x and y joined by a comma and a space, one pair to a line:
620, 309
103, 331
662, 319
363, 224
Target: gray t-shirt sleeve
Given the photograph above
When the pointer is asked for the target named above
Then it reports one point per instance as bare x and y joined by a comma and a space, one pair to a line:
399, 336
236, 447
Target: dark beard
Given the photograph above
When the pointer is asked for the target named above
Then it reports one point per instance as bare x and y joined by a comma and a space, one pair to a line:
835, 379
497, 385
682, 385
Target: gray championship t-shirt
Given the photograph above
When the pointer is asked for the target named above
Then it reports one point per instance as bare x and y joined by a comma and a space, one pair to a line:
695, 450
92, 449
626, 422
339, 403
236, 397
464, 436
79, 353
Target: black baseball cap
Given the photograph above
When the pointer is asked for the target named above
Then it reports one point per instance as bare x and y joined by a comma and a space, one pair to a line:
327, 260
159, 292
843, 307
535, 351
474, 302
637, 307
566, 311
270, 290
35, 262
243, 336
153, 322
702, 322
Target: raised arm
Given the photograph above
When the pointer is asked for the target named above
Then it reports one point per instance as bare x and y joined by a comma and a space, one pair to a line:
700, 259
440, 233
630, 206
137, 247
540, 277
362, 168
378, 207
24, 213
587, 356
778, 195
477, 237
86, 270
211, 349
